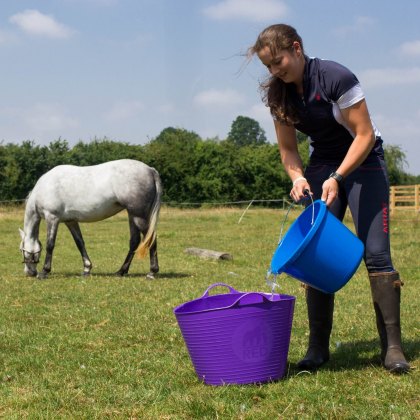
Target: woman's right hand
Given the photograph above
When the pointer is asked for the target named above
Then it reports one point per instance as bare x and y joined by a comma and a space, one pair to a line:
300, 189
288, 147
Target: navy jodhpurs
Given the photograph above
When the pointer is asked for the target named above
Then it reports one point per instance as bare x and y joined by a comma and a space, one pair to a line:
366, 192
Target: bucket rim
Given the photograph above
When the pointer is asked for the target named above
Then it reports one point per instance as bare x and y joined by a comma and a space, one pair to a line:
266, 297
320, 216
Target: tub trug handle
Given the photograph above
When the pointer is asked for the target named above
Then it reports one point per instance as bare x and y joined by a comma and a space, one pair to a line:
262, 295
206, 293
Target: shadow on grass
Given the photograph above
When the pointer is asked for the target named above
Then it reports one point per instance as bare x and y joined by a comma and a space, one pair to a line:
96, 275
358, 355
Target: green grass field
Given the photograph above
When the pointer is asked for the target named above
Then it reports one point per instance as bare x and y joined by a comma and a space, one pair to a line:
107, 347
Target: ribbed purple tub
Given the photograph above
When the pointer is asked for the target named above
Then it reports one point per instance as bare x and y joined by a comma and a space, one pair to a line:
237, 337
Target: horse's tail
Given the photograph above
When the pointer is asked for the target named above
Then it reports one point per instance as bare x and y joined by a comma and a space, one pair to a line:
150, 236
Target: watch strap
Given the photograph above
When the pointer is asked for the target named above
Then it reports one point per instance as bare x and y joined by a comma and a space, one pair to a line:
339, 178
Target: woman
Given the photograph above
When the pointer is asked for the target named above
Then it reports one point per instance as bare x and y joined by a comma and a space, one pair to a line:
324, 100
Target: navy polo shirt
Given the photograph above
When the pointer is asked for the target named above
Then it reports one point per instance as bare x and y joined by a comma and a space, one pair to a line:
325, 84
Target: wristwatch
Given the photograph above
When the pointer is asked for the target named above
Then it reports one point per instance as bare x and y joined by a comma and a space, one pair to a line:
339, 178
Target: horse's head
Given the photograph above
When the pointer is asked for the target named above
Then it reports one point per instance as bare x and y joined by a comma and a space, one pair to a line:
31, 251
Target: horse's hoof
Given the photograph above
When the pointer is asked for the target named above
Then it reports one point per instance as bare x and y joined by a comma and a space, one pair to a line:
86, 274
42, 276
150, 276
120, 274
31, 274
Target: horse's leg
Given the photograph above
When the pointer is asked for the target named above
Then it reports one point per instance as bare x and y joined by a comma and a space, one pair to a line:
52, 228
75, 231
133, 245
154, 264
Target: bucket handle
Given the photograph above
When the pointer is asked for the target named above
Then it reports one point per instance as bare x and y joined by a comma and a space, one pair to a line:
306, 194
238, 301
206, 293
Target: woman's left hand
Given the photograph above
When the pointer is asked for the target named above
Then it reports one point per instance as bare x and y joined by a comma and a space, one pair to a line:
330, 189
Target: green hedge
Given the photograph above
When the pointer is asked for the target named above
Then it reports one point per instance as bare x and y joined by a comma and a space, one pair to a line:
192, 169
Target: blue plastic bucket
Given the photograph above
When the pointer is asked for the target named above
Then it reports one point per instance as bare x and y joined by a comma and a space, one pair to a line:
322, 252
237, 337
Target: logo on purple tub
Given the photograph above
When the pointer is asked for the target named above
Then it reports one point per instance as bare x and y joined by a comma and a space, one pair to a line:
252, 341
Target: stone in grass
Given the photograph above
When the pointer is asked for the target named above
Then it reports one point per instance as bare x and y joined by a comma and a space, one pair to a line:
209, 254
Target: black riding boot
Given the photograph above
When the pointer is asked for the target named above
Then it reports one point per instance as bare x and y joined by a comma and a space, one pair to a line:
386, 295
320, 314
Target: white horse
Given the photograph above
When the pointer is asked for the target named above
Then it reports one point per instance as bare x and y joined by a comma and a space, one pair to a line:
72, 194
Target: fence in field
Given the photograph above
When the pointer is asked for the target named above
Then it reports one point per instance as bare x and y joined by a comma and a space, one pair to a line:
402, 197
405, 197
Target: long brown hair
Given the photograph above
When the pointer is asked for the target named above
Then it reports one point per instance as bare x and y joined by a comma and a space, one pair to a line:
275, 91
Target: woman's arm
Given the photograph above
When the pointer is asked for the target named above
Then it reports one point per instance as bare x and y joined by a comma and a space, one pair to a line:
287, 141
358, 120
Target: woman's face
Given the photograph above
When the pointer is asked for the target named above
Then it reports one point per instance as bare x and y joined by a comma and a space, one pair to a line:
287, 65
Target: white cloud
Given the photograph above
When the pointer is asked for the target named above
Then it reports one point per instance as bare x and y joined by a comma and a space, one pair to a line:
390, 76
167, 109
40, 121
261, 113
222, 98
398, 127
100, 3
360, 25
36, 23
400, 131
261, 10
44, 117
411, 48
124, 110
10, 112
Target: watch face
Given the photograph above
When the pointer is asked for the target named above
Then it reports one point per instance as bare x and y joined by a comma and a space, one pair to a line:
336, 176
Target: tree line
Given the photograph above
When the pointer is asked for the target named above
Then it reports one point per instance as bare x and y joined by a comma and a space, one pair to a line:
242, 167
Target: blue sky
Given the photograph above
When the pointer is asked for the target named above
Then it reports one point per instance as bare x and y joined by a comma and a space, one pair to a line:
127, 69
